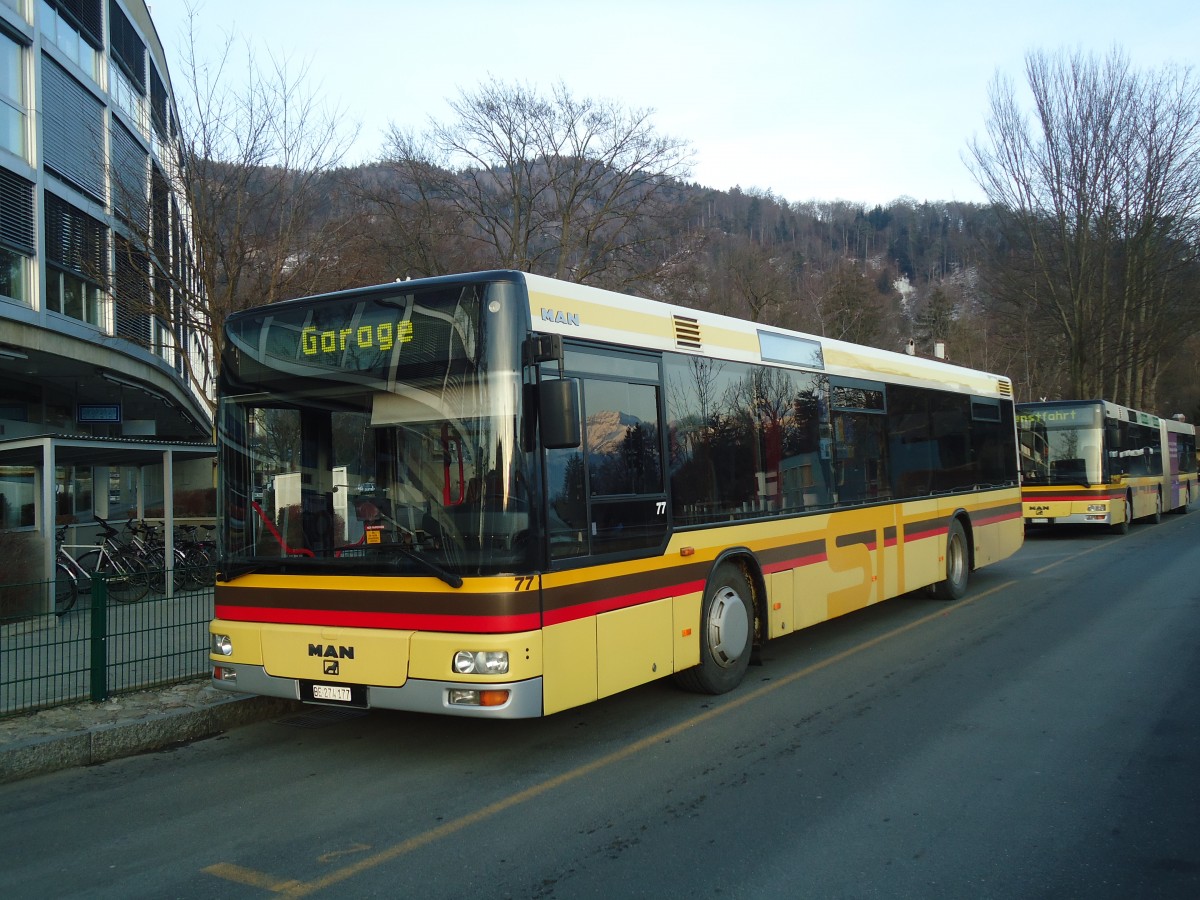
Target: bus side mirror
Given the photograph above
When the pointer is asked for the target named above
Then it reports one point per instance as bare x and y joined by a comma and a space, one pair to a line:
558, 412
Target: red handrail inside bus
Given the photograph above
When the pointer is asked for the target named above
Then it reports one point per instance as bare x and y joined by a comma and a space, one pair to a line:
290, 551
453, 492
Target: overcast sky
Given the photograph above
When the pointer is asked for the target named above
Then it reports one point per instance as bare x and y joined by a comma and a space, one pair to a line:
861, 100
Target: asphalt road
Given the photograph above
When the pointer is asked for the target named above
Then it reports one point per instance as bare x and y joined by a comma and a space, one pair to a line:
1040, 738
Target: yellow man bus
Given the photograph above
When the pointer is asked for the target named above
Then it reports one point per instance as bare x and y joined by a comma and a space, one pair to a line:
503, 495
1099, 463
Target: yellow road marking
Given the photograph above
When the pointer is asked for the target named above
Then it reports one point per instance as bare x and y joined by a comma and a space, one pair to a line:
303, 889
349, 851
1059, 562
240, 875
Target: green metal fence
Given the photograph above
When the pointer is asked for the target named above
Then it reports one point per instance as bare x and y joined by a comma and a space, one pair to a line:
98, 648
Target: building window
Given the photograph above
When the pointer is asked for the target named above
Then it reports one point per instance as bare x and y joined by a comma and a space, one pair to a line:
129, 101
17, 486
72, 494
72, 131
74, 27
160, 108
128, 75
14, 275
73, 296
20, 7
16, 236
77, 262
129, 180
12, 97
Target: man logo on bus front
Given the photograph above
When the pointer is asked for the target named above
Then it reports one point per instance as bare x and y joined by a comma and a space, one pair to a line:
331, 667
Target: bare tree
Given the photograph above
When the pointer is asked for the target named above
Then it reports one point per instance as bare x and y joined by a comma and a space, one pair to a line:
571, 188
247, 173
758, 280
1098, 203
844, 304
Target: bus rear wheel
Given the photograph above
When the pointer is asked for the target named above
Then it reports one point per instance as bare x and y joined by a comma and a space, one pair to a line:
726, 634
958, 565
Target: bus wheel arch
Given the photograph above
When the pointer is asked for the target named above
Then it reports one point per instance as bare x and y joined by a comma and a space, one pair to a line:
730, 626
959, 560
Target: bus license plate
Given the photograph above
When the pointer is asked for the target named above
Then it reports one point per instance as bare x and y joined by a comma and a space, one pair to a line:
332, 692
1039, 521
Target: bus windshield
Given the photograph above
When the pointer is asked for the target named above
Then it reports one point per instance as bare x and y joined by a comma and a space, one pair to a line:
1061, 445
378, 437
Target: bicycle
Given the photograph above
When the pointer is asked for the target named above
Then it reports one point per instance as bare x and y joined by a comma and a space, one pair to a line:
200, 553
126, 576
193, 567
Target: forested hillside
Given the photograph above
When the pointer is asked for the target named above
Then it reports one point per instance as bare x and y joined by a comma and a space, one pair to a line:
1080, 279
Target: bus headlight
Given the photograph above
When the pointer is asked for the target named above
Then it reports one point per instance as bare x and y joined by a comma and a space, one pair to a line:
222, 645
481, 662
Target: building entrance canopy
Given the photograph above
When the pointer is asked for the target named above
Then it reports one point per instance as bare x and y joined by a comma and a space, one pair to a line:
44, 453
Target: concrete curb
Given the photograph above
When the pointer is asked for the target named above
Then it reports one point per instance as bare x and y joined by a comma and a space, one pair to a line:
102, 743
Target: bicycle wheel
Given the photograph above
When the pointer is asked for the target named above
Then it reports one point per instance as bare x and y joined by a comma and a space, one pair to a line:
65, 589
156, 568
131, 569
197, 571
127, 578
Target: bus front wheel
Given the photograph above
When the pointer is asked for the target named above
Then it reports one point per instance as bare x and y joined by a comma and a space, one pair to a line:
726, 634
958, 565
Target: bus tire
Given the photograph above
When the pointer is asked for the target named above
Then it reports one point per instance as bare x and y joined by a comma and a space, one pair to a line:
958, 565
1123, 527
1156, 516
726, 634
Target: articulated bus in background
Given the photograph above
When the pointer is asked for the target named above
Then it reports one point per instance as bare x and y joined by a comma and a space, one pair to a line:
1094, 462
502, 495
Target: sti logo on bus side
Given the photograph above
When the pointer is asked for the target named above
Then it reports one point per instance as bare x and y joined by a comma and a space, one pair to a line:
328, 651
558, 317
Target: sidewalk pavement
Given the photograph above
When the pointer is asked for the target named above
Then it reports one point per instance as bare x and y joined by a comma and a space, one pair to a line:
125, 725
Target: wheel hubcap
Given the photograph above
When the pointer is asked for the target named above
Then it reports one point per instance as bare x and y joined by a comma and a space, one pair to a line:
957, 560
727, 627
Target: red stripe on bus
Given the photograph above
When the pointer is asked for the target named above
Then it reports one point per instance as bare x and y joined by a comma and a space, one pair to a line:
910, 536
798, 563
996, 517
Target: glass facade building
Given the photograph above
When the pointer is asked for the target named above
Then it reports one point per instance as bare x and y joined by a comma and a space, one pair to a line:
95, 251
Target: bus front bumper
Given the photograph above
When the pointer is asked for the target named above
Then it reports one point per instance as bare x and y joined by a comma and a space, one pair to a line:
415, 695
1072, 519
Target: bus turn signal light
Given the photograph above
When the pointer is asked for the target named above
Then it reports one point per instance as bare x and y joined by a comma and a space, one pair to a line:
471, 697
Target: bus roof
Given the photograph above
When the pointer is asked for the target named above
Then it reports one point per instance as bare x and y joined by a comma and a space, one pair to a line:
586, 312
1115, 411
577, 310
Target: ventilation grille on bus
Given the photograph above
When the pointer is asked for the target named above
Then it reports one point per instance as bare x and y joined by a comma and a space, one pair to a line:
1005, 387
687, 333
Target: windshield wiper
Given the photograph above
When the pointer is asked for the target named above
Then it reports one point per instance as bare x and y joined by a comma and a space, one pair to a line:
433, 568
